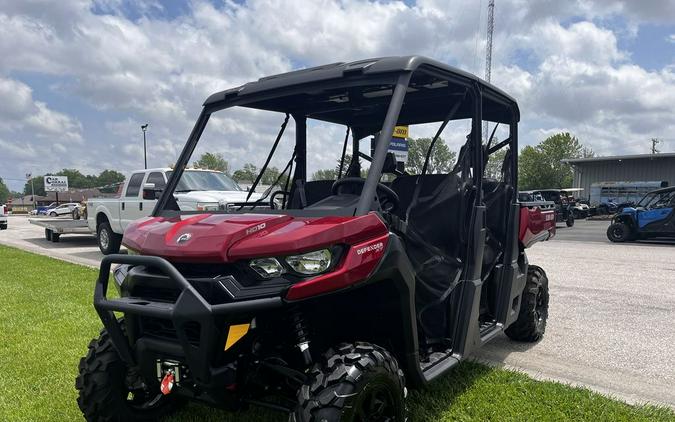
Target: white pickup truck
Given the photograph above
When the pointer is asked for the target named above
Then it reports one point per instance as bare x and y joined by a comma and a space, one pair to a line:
197, 190
3, 217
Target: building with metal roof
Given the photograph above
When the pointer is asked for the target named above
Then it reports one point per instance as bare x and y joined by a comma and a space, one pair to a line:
622, 168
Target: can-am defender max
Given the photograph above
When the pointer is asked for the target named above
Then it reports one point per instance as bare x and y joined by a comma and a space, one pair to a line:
327, 298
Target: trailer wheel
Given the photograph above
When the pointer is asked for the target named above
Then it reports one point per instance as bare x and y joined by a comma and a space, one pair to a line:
48, 235
358, 382
531, 322
108, 241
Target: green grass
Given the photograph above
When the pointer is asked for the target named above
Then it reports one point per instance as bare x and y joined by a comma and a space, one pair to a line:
47, 320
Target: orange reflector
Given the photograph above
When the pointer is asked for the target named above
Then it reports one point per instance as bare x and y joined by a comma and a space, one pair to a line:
235, 333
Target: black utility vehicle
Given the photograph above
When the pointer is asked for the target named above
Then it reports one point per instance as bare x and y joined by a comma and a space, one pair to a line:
325, 299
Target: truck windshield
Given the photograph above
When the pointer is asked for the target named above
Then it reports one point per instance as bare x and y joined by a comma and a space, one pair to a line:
205, 180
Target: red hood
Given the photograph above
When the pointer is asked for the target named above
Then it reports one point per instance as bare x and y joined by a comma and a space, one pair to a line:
230, 237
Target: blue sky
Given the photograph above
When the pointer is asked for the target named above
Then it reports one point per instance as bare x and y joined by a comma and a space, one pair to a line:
78, 78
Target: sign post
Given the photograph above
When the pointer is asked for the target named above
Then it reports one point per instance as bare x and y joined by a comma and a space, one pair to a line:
56, 184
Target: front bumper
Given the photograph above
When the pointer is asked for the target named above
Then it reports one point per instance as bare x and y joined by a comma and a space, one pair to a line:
188, 311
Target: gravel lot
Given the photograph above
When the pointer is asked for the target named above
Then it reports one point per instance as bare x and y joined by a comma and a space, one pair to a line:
611, 317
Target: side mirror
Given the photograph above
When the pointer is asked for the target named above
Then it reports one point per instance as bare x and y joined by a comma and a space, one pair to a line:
150, 192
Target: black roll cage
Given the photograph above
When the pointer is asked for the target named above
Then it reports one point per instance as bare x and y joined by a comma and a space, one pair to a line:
476, 92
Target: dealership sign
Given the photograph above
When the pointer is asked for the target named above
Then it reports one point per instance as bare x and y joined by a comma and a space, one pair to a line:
56, 183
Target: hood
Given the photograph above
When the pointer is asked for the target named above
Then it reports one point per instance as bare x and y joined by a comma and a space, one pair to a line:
216, 196
231, 237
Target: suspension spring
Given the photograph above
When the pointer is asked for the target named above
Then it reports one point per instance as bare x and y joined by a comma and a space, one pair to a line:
301, 335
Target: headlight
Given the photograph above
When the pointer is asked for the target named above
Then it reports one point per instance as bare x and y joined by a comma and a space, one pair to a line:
207, 206
311, 262
267, 267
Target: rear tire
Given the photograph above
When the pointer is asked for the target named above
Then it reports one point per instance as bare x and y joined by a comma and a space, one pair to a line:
358, 382
531, 323
103, 391
108, 241
618, 232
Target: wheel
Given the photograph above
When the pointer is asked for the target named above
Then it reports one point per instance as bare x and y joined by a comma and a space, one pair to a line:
76, 214
618, 232
53, 214
531, 322
56, 237
358, 382
110, 391
570, 220
3, 226
108, 241
48, 235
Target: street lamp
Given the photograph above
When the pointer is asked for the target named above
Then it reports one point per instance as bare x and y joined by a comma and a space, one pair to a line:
145, 153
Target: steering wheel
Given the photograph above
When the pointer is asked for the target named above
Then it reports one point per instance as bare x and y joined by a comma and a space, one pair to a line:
390, 197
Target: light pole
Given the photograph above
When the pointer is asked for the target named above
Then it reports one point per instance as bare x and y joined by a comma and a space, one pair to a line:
29, 176
145, 152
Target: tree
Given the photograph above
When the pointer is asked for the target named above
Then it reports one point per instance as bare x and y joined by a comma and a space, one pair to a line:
493, 169
38, 183
109, 177
541, 166
4, 192
325, 174
246, 174
213, 161
441, 160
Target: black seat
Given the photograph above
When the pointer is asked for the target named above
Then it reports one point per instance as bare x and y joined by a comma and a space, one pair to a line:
315, 191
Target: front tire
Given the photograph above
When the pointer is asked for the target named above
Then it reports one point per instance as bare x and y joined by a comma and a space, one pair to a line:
53, 214
357, 383
108, 241
531, 323
104, 393
618, 232
570, 220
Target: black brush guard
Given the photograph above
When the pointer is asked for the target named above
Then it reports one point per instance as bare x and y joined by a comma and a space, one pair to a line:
189, 308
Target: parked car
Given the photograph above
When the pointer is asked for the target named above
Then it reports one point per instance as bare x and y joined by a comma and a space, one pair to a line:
653, 216
197, 190
62, 209
42, 209
3, 217
333, 306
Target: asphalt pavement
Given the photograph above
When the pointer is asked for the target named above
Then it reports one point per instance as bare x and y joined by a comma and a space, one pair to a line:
610, 325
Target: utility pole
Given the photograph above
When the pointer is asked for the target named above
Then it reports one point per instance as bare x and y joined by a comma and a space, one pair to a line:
655, 141
145, 152
488, 53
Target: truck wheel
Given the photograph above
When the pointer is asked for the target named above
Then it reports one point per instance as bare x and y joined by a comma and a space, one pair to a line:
618, 232
531, 322
108, 241
570, 220
110, 391
358, 382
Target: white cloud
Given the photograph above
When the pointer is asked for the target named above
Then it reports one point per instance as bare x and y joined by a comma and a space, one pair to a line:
158, 70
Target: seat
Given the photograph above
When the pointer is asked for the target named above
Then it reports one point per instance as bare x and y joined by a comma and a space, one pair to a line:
314, 191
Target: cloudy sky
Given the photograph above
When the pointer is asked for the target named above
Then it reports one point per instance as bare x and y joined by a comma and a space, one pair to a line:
78, 78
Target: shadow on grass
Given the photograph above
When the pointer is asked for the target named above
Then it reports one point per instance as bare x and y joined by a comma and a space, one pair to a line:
426, 404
